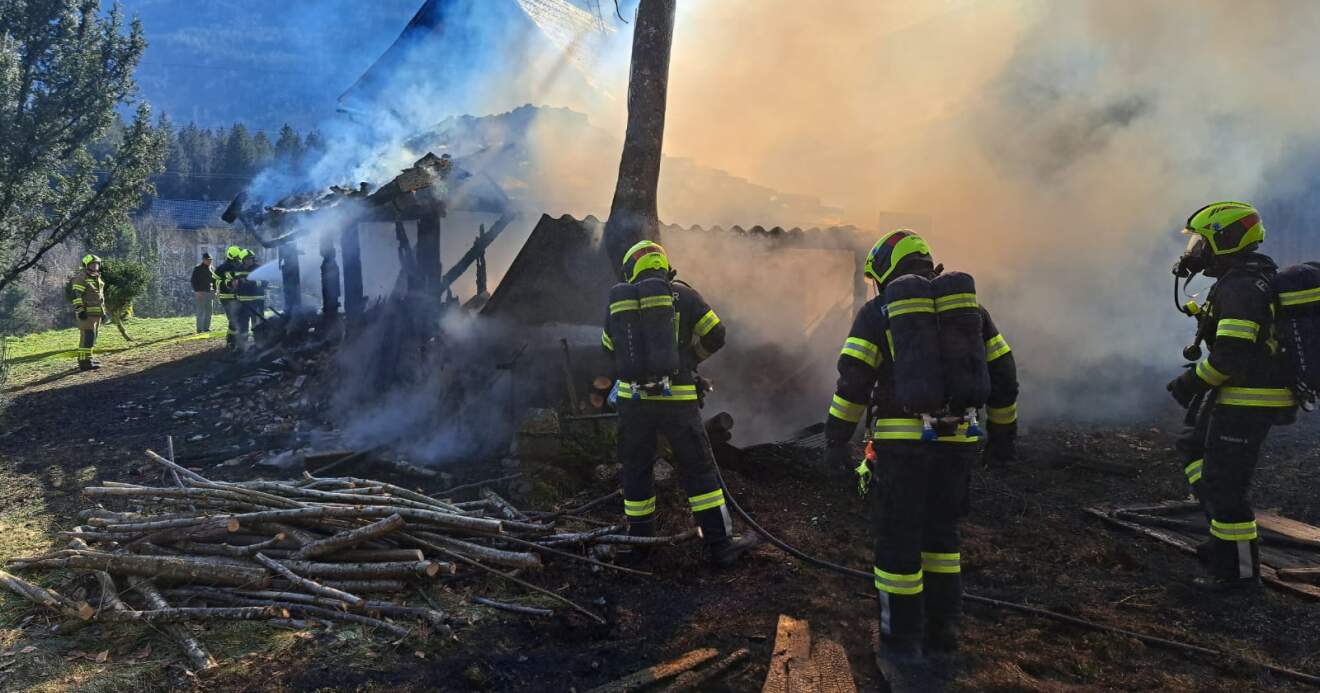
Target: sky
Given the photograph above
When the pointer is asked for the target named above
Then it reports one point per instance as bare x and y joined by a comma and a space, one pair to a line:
264, 63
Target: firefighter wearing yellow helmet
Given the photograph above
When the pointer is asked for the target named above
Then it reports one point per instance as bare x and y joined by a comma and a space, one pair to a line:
1238, 392
918, 460
227, 273
88, 290
657, 331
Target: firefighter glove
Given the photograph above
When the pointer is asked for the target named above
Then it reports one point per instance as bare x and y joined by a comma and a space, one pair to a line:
1182, 390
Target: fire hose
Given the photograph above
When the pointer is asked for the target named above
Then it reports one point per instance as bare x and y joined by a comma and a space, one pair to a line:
1014, 606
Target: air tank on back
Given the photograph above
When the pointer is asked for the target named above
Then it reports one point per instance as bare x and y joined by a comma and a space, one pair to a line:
625, 329
962, 344
659, 327
918, 381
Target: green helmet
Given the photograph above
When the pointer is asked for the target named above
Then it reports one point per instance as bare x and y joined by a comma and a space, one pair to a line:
89, 259
890, 250
234, 252
1227, 227
646, 255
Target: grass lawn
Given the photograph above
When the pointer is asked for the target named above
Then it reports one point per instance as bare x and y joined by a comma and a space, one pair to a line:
36, 355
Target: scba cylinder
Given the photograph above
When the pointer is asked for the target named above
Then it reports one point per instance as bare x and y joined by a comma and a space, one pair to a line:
918, 381
659, 327
625, 329
962, 344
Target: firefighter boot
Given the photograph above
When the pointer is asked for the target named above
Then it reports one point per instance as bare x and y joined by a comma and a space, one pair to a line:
904, 668
725, 552
85, 365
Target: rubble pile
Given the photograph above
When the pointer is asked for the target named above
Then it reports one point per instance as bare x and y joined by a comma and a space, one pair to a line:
307, 552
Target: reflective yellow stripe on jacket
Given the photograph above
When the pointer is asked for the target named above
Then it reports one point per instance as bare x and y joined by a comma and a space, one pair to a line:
677, 393
851, 412
1277, 397
864, 351
911, 429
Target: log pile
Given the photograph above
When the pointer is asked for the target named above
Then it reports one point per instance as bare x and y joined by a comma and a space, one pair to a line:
311, 551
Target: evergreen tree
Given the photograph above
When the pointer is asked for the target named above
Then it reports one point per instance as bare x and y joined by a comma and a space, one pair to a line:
238, 162
66, 69
288, 148
264, 150
174, 182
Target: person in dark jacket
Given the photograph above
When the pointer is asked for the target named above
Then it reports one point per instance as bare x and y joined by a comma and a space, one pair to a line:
204, 282
1238, 392
251, 296
918, 487
649, 409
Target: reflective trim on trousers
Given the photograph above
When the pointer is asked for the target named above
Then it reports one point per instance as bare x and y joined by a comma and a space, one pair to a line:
1234, 531
707, 501
898, 583
941, 562
639, 508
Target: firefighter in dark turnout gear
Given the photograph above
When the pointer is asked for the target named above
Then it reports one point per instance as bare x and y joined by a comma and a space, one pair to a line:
1238, 391
919, 489
89, 306
671, 409
227, 293
251, 296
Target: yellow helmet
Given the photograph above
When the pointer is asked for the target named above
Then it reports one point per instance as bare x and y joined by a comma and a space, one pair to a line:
1229, 227
89, 259
646, 255
234, 252
890, 250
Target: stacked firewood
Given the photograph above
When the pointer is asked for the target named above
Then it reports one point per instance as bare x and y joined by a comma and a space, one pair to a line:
332, 550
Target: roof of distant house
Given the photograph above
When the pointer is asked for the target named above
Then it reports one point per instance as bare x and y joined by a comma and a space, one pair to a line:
187, 214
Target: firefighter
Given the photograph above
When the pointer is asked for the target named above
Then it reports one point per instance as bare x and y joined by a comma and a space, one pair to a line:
89, 305
1238, 392
648, 410
918, 488
228, 297
251, 298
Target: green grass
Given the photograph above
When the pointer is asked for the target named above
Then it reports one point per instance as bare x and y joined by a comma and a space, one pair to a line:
36, 355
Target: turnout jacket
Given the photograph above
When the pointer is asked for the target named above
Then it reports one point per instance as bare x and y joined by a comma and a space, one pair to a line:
700, 334
249, 290
866, 381
1244, 367
89, 294
227, 274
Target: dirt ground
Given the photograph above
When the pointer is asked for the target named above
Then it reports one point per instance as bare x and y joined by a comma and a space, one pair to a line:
1027, 540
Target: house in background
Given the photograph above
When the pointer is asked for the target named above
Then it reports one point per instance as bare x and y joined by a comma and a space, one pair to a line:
185, 229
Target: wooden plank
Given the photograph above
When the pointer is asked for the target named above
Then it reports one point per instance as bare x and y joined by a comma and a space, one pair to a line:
790, 661
1268, 574
834, 674
1272, 521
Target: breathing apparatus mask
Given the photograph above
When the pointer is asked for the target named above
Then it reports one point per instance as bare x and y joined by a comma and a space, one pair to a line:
1195, 260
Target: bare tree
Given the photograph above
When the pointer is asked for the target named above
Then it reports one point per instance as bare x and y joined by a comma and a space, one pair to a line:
633, 214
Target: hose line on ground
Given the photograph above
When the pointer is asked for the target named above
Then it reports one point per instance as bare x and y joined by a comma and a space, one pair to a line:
1014, 606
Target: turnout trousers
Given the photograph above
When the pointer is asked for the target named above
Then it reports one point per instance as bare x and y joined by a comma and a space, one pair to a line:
230, 306
88, 328
641, 422
918, 497
1220, 452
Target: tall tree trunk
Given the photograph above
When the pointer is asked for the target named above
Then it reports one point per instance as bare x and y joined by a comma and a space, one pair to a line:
633, 214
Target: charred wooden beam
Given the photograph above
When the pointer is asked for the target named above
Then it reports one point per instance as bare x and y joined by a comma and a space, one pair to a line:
428, 253
291, 275
354, 294
329, 279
